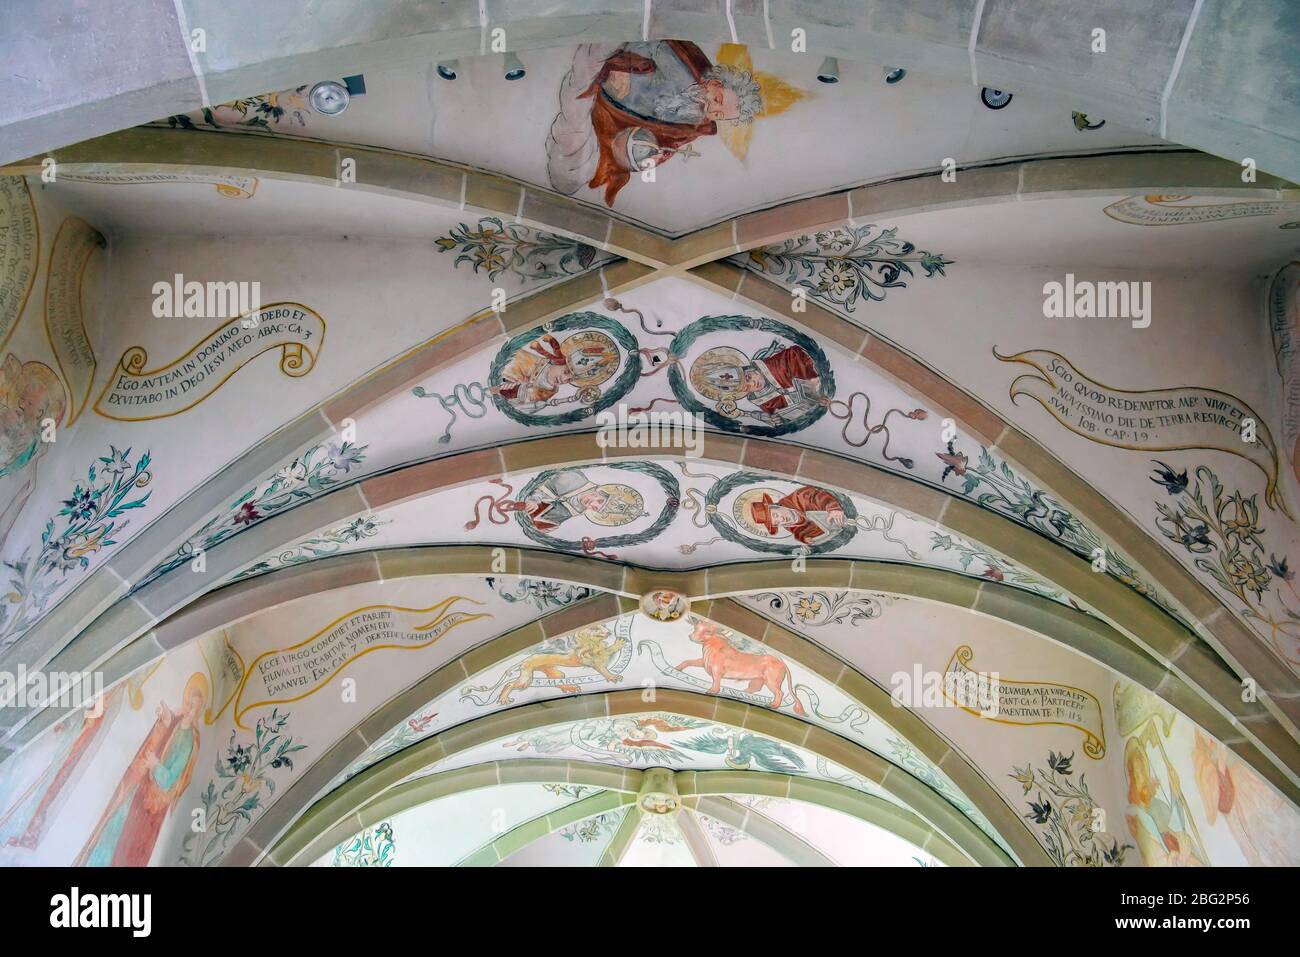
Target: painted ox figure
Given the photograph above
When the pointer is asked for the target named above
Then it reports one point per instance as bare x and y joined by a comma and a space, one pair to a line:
725, 662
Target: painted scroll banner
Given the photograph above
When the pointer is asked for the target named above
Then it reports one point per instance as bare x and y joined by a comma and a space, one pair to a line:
225, 672
299, 671
1030, 703
20, 251
65, 321
1177, 211
229, 185
1284, 321
137, 394
1151, 420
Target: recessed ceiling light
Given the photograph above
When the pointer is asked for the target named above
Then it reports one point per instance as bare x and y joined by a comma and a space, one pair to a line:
894, 75
449, 69
995, 99
329, 97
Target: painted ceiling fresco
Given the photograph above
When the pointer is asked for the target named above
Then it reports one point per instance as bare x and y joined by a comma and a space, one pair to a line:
696, 656
637, 464
782, 834
670, 133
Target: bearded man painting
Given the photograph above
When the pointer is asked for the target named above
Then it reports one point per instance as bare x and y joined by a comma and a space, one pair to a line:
633, 107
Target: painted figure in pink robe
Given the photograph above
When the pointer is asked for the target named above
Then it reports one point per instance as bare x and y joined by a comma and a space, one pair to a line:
151, 786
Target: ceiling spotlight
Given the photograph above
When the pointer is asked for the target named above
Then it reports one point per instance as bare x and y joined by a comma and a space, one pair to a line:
830, 70
329, 97
513, 68
995, 99
894, 75
449, 69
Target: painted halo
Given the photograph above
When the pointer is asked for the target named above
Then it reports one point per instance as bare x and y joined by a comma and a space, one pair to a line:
712, 386
730, 523
631, 496
601, 355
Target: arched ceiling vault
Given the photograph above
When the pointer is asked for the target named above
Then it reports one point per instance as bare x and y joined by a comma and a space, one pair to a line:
710, 588
356, 746
1177, 72
706, 791
334, 817
1143, 623
1148, 621
1197, 173
427, 180
145, 150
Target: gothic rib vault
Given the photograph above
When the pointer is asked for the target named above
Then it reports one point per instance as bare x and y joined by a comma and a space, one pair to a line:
649, 516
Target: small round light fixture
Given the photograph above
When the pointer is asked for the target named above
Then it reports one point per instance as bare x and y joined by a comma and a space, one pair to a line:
329, 97
995, 99
449, 69
894, 75
513, 68
830, 71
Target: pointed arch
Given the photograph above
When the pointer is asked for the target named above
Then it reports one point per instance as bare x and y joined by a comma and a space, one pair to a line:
316, 831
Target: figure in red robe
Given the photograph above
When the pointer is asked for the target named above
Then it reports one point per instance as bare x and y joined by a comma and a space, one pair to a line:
23, 824
781, 381
633, 107
810, 514
151, 786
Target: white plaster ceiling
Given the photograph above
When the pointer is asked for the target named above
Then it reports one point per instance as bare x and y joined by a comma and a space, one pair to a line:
857, 131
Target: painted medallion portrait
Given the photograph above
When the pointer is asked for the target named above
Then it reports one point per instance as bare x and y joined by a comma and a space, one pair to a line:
780, 515
751, 375
565, 371
596, 507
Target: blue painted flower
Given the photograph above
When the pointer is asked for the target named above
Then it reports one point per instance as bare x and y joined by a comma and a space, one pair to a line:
1175, 483
1115, 855
81, 505
933, 263
1040, 812
1059, 762
1061, 521
343, 457
241, 758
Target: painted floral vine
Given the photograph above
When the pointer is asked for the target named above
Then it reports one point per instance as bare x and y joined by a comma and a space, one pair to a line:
817, 608
373, 847
319, 468
542, 595
328, 543
92, 516
1069, 821
244, 784
599, 827
995, 568
997, 487
495, 248
844, 266
1223, 532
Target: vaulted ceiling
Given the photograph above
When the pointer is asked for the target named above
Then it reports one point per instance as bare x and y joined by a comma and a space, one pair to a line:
593, 482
